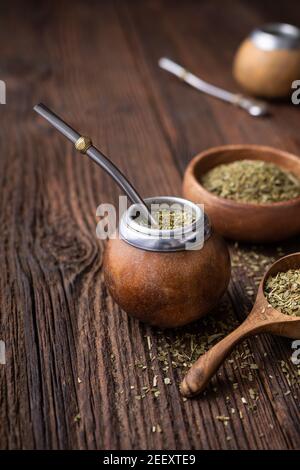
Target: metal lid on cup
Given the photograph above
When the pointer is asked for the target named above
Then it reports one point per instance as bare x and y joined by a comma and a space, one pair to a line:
273, 36
189, 237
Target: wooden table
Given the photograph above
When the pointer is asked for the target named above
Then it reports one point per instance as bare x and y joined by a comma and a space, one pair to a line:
75, 364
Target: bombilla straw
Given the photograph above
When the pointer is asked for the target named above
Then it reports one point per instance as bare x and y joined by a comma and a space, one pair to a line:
85, 146
253, 106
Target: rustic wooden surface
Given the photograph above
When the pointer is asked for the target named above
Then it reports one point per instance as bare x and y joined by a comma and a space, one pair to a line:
95, 63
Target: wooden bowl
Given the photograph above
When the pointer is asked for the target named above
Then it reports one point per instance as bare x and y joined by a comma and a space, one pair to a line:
257, 223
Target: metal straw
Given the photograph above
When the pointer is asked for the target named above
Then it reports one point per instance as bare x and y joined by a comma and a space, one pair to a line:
84, 145
251, 105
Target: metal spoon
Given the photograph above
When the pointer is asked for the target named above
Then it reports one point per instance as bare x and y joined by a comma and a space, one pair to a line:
262, 319
84, 145
252, 106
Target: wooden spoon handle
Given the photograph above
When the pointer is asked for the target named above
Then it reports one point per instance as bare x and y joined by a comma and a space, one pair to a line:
205, 367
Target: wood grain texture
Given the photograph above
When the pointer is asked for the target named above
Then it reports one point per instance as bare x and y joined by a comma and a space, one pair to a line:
95, 63
262, 319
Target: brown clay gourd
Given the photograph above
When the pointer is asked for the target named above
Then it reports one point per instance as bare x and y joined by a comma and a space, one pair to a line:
268, 61
161, 282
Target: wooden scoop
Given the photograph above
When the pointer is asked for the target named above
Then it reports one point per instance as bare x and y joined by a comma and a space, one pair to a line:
262, 319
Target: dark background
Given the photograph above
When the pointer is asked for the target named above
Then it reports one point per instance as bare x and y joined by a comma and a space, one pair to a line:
95, 64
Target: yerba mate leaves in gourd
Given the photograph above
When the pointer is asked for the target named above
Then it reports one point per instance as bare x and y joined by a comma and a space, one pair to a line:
252, 181
283, 292
171, 219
